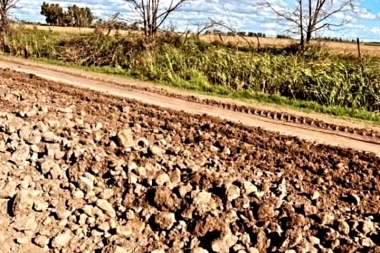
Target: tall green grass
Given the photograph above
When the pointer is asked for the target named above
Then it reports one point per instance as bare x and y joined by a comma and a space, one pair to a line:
315, 76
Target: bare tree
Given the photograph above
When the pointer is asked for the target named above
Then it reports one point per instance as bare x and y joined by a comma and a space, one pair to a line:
311, 16
5, 7
153, 13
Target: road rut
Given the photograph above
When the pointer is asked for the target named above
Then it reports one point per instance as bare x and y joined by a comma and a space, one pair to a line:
313, 134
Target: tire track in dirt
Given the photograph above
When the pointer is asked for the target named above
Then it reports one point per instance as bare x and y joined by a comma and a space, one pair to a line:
275, 112
304, 131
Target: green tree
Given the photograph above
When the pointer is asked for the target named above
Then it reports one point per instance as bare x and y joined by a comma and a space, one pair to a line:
74, 16
79, 16
53, 12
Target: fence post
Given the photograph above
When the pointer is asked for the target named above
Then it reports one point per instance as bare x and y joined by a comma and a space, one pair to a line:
358, 44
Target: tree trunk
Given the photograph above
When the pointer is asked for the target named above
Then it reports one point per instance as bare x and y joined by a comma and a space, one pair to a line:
302, 41
3, 30
309, 24
308, 35
2, 41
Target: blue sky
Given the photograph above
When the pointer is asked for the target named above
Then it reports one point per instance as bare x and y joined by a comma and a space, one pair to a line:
240, 14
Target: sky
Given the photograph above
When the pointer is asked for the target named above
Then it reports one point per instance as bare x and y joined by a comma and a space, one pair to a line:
240, 14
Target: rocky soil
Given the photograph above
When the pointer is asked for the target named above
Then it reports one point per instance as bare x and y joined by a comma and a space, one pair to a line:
85, 172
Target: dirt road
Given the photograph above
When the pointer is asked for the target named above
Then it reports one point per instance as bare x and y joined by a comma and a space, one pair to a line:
143, 92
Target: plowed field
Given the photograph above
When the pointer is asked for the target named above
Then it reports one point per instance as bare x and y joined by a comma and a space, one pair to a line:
83, 171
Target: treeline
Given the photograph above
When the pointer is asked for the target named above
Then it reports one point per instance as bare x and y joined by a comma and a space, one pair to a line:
119, 25
74, 16
278, 36
337, 39
248, 34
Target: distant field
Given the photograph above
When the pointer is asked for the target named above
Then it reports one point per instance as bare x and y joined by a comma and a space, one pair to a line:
339, 47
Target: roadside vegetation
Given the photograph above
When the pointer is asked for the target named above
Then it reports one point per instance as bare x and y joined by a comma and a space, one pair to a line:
307, 77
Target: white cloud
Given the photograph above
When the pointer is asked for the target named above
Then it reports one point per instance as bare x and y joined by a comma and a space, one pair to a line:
269, 25
375, 30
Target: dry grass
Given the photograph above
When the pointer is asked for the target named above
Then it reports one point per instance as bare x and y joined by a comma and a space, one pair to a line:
339, 47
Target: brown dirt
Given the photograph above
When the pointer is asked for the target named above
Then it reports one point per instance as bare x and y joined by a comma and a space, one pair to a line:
88, 172
312, 127
60, 71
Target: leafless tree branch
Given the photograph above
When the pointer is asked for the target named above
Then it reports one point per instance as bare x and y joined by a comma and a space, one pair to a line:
311, 16
153, 14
